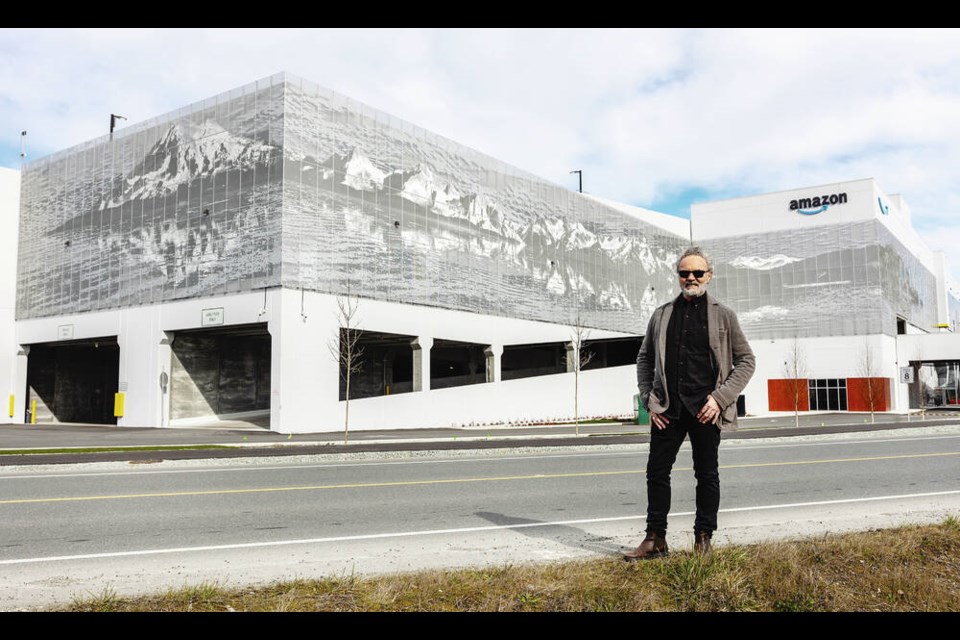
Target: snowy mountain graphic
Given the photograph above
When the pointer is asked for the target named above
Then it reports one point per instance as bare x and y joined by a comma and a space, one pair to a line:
514, 238
183, 154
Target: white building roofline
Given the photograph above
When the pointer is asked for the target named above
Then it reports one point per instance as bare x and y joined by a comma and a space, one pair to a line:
674, 224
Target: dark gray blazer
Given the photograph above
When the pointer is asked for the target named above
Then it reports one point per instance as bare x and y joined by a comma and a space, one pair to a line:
730, 349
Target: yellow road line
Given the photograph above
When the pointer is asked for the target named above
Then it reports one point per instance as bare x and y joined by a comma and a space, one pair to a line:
870, 458
361, 485
409, 483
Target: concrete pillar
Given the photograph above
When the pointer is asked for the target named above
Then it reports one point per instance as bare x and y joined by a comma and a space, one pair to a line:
144, 356
421, 362
494, 353
19, 389
572, 357
304, 374
164, 381
275, 329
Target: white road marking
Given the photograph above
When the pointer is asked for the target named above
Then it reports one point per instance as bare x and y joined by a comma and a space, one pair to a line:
407, 534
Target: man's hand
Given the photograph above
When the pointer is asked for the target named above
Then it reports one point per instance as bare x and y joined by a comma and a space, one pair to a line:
710, 412
659, 420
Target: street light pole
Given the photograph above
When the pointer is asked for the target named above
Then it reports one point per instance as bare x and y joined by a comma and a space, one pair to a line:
579, 175
113, 122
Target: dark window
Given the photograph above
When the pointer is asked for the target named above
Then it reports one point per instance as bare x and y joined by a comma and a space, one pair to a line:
383, 365
612, 352
528, 360
828, 394
455, 364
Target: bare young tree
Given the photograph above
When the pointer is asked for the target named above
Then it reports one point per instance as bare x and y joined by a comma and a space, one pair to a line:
795, 371
345, 350
577, 358
869, 369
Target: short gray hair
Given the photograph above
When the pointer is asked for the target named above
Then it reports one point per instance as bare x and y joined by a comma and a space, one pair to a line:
695, 251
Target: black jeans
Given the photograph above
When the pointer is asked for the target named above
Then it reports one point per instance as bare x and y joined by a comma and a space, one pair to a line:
664, 445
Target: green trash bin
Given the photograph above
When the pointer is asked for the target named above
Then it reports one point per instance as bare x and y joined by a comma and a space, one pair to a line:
642, 416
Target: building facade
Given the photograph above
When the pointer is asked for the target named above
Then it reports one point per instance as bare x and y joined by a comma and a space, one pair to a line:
828, 282
211, 263
192, 263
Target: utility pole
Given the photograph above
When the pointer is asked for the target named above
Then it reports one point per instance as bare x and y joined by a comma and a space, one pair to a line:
579, 175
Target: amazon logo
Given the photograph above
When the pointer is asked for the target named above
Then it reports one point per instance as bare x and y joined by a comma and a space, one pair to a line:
884, 209
817, 204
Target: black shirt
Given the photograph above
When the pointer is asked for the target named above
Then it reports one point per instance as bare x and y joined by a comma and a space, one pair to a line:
690, 372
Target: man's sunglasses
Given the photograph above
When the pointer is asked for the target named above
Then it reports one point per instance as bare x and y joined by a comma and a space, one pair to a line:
697, 273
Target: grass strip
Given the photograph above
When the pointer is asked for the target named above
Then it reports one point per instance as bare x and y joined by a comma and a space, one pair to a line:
912, 568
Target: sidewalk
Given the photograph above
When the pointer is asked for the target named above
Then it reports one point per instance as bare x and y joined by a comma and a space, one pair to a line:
238, 440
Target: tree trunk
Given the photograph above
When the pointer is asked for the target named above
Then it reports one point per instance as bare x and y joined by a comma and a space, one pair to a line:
346, 414
576, 400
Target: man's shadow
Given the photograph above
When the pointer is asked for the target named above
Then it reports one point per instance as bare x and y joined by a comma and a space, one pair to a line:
566, 535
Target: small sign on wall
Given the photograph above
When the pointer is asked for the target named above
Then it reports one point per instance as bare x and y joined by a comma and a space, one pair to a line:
65, 332
906, 375
211, 317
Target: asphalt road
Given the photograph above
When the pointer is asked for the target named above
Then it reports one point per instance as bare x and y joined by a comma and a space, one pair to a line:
70, 530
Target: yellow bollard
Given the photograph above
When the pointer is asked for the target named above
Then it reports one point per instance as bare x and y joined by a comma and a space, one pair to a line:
11, 405
118, 405
33, 412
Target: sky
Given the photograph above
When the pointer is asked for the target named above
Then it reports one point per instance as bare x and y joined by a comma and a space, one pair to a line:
657, 118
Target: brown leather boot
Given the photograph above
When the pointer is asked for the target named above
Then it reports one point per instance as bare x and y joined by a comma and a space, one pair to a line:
701, 543
653, 546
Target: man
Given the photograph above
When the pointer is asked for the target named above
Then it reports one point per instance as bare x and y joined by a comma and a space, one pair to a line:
693, 364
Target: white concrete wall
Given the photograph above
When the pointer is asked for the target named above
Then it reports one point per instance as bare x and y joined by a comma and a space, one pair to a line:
835, 357
304, 377
929, 346
9, 229
771, 211
603, 393
306, 390
309, 381
304, 374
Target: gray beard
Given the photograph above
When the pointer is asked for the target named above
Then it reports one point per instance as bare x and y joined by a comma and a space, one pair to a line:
694, 293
